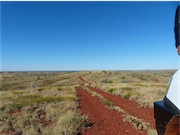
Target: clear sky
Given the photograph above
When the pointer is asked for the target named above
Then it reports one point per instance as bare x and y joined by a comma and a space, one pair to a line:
38, 36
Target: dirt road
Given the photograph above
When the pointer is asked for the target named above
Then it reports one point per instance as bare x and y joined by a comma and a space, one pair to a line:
131, 107
110, 122
104, 121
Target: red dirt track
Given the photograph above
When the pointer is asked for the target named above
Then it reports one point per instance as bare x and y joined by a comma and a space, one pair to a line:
129, 106
105, 121
110, 122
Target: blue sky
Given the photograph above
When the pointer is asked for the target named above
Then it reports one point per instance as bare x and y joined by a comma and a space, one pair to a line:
38, 36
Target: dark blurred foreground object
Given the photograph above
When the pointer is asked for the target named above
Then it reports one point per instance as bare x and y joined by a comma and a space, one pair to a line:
167, 122
167, 111
173, 126
177, 29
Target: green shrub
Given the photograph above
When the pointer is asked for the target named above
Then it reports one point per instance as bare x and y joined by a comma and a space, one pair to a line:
107, 81
59, 89
127, 88
128, 95
126, 81
111, 90
107, 102
40, 89
30, 100
18, 93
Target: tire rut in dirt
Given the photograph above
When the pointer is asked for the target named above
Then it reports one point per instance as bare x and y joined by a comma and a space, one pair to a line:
131, 107
105, 121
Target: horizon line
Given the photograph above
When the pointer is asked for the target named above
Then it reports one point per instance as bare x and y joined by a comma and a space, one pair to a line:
85, 70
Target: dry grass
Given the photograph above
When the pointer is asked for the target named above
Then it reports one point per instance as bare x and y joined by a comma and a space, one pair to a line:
139, 124
143, 93
104, 101
144, 87
40, 103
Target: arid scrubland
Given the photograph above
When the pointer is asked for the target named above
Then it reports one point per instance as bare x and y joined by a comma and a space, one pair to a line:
46, 102
144, 87
40, 103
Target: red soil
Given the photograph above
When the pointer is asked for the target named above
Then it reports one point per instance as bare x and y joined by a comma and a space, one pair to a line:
109, 122
104, 121
129, 106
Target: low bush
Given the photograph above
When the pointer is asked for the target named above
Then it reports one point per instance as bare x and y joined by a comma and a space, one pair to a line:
111, 90
30, 100
126, 88
139, 124
107, 102
107, 81
68, 124
128, 95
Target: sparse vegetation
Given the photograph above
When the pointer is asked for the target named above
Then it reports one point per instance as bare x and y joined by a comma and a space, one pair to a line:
144, 87
106, 81
136, 122
46, 102
40, 103
104, 101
